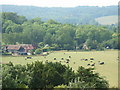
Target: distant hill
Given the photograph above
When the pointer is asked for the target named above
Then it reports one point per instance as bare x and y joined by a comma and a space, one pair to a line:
107, 20
75, 15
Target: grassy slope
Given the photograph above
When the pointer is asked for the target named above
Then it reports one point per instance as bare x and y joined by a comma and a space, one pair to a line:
109, 69
107, 20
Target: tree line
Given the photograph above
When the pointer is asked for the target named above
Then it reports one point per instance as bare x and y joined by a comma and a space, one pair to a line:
18, 29
73, 15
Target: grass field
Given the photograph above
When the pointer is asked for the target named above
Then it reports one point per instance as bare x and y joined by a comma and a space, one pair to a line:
109, 70
107, 20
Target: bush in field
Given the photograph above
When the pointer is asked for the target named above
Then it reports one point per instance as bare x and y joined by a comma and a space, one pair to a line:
38, 51
65, 72
36, 77
7, 80
14, 76
49, 75
86, 78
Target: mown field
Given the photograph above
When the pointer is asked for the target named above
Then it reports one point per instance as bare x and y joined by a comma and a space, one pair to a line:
109, 70
107, 20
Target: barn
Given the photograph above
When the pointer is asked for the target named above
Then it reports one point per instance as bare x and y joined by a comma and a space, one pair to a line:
21, 49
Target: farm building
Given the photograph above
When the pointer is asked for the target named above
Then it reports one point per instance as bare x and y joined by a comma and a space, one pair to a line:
85, 47
21, 49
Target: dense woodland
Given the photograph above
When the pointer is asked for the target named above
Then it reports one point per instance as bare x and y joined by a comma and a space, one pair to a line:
17, 29
73, 15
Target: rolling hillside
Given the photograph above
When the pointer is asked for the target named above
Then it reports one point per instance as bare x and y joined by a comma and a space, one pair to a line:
73, 15
107, 20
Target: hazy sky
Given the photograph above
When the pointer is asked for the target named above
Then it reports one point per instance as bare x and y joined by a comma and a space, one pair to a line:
61, 3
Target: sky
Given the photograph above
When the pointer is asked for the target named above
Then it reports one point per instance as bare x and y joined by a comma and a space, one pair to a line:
60, 3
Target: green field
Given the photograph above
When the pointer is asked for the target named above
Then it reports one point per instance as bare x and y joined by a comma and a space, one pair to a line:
109, 70
107, 20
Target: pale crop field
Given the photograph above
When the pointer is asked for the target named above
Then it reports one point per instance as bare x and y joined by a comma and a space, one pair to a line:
107, 20
109, 70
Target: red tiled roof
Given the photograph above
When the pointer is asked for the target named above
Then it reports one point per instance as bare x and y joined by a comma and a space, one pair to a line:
28, 46
17, 47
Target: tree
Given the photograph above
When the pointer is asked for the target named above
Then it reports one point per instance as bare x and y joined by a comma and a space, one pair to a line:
38, 51
52, 22
8, 30
14, 76
92, 44
13, 17
21, 19
66, 73
7, 26
52, 77
36, 20
49, 75
90, 78
7, 81
36, 79
47, 39
17, 28
65, 36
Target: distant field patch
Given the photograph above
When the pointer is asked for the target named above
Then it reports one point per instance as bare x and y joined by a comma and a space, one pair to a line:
109, 69
107, 20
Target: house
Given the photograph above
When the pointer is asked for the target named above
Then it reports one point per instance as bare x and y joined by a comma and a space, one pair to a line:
21, 49
85, 47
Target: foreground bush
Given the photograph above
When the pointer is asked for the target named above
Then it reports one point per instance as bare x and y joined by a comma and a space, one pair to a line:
87, 78
49, 75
